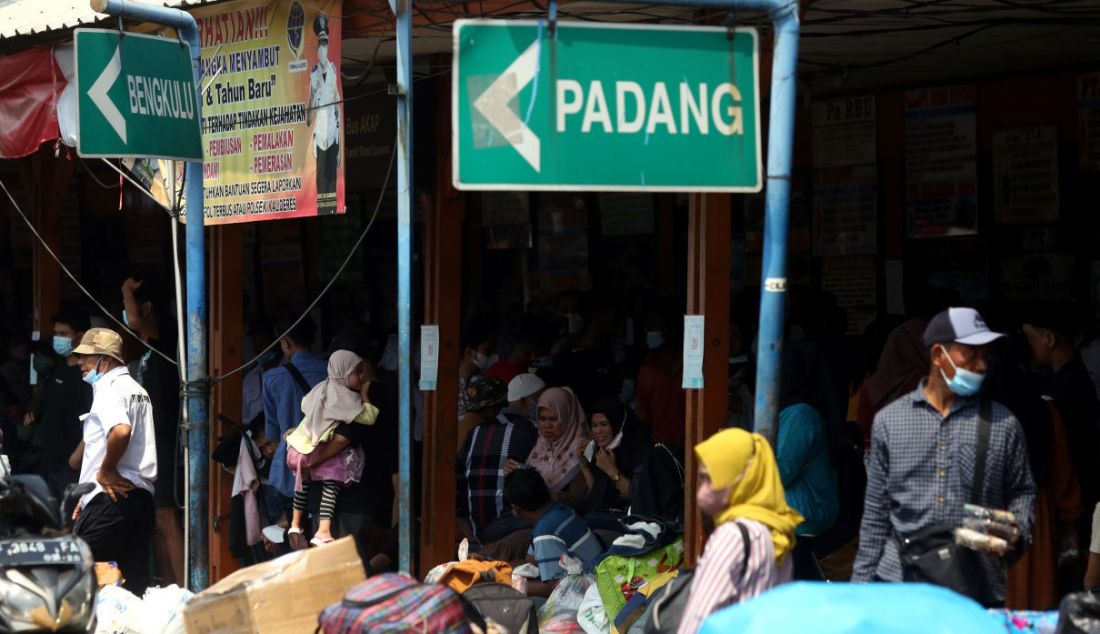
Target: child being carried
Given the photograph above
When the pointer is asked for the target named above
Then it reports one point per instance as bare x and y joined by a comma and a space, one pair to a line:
312, 453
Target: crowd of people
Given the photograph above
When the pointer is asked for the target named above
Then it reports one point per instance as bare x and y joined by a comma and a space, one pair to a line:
576, 430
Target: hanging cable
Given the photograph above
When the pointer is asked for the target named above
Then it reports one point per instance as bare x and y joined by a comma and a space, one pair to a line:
72, 277
335, 276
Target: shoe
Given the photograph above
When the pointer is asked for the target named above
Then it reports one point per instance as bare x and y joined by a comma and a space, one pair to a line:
297, 539
317, 541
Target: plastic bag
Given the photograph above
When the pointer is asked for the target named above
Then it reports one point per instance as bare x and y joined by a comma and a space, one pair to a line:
435, 574
160, 611
113, 608
559, 614
591, 615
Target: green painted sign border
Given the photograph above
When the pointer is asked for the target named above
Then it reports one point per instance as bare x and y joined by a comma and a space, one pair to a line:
455, 128
76, 82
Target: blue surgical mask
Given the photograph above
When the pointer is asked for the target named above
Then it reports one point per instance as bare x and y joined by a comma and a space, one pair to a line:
965, 383
93, 376
63, 346
626, 393
654, 339
125, 319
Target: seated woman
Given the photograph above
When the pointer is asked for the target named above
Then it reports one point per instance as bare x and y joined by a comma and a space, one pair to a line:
739, 489
609, 462
561, 429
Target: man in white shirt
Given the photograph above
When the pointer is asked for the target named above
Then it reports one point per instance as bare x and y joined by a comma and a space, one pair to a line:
324, 116
119, 456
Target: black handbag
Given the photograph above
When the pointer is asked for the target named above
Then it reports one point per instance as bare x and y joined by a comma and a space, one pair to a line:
932, 556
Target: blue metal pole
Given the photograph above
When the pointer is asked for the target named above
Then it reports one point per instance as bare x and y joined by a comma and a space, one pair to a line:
403, 11
773, 290
784, 16
198, 392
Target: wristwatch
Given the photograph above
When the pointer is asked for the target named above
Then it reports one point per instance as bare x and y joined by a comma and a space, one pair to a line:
618, 476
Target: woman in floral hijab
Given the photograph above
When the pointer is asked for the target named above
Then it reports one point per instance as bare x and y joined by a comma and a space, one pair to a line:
561, 429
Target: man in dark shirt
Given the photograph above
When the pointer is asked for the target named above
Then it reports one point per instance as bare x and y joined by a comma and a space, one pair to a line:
144, 300
1050, 330
65, 398
480, 468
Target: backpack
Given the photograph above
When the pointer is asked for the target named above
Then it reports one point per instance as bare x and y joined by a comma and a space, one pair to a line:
506, 606
667, 605
395, 604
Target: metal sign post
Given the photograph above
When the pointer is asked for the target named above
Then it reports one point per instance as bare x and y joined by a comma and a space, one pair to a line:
197, 390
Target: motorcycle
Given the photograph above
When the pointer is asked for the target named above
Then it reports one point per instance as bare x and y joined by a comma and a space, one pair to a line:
47, 576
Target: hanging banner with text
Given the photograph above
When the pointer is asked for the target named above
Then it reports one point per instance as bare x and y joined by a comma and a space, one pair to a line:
1025, 175
845, 187
941, 167
272, 112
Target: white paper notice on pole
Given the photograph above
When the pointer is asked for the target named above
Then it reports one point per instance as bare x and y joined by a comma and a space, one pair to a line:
429, 357
693, 352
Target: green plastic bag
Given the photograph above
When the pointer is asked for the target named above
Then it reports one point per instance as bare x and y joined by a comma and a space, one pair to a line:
619, 577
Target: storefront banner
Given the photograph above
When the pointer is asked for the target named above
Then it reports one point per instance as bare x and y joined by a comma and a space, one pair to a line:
941, 161
272, 118
1025, 175
1088, 103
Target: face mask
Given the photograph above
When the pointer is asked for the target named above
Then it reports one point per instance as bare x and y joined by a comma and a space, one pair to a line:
713, 501
484, 362
965, 383
91, 377
63, 346
654, 339
626, 393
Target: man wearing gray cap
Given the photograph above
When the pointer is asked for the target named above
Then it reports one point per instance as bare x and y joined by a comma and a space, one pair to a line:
119, 456
934, 451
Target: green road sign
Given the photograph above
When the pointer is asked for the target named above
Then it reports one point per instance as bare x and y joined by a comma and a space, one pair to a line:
136, 97
605, 107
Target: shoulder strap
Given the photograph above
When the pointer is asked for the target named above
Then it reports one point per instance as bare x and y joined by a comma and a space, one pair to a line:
746, 540
296, 374
985, 428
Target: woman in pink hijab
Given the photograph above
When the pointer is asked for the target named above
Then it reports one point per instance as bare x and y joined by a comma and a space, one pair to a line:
561, 429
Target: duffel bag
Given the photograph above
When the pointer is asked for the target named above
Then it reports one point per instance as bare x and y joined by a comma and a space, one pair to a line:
395, 604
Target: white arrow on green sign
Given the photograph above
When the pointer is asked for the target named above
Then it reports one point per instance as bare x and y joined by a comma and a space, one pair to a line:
608, 107
136, 97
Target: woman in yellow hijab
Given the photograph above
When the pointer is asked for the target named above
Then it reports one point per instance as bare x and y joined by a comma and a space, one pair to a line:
739, 487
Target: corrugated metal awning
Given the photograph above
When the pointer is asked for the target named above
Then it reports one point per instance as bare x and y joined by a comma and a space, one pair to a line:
36, 17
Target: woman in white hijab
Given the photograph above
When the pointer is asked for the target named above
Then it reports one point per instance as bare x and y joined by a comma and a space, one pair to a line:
341, 398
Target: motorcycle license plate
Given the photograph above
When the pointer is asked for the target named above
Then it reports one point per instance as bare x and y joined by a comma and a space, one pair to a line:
37, 552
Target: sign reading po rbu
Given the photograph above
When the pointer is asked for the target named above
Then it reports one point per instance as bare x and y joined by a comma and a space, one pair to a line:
605, 107
136, 97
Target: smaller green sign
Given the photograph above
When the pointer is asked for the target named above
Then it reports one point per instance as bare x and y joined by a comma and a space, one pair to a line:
135, 97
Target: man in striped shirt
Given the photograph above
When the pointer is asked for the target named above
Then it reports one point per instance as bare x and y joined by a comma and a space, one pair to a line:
479, 483
557, 529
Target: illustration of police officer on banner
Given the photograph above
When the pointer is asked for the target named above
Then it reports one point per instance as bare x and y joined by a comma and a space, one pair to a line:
324, 117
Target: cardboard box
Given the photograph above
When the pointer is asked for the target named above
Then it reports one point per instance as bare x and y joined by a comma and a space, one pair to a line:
282, 596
